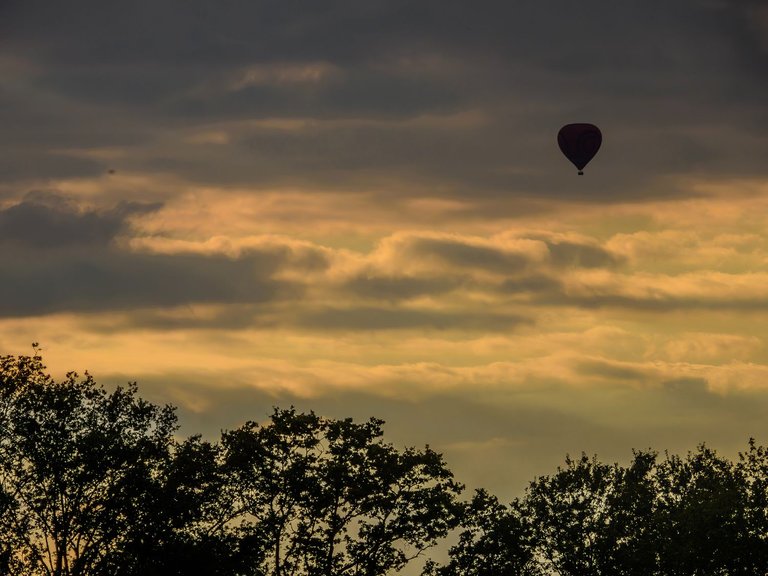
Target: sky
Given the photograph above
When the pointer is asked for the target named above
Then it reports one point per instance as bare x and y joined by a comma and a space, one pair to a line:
360, 208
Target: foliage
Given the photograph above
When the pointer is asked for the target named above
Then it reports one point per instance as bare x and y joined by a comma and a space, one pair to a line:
693, 516
95, 483
78, 470
495, 541
329, 497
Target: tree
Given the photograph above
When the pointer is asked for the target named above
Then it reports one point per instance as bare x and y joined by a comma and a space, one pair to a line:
570, 516
753, 470
78, 471
93, 483
692, 516
197, 511
631, 532
495, 541
705, 518
329, 497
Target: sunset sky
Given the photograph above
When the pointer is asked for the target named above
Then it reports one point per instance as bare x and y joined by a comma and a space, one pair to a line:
359, 207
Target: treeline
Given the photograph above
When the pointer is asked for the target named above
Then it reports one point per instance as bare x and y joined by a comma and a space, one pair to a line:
96, 483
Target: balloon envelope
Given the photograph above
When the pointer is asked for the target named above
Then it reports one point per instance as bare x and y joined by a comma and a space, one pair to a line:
579, 143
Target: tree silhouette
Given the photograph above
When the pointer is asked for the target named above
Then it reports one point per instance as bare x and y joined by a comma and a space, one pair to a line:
570, 515
328, 497
495, 541
94, 483
702, 518
77, 470
692, 516
753, 471
197, 508
632, 533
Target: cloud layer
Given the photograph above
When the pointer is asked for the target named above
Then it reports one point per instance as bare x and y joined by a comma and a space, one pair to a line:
360, 207
387, 94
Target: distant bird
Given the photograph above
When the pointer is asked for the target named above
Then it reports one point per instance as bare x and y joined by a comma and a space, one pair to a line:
111, 170
579, 143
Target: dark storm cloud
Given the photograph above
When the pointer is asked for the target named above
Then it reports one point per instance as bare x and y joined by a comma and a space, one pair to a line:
134, 88
238, 31
676, 87
56, 257
373, 94
105, 280
43, 133
32, 164
47, 220
345, 156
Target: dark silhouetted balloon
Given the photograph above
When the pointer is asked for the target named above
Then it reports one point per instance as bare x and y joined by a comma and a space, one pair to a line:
579, 143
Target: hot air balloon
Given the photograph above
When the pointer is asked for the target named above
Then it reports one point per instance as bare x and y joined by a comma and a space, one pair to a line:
579, 143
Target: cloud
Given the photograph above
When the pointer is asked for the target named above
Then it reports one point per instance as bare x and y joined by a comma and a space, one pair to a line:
613, 371
111, 280
280, 305
30, 164
711, 347
46, 220
408, 280
372, 319
538, 284
57, 257
672, 87
108, 258
395, 288
573, 254
466, 255
701, 290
